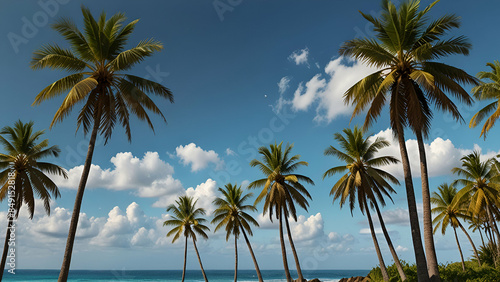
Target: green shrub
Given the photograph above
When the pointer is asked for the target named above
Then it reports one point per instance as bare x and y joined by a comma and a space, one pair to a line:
449, 273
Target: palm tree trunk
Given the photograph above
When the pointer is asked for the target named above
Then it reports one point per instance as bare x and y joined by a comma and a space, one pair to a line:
63, 275
259, 275
471, 242
5, 249
283, 249
377, 247
422, 273
481, 234
199, 259
185, 258
430, 251
459, 248
235, 258
389, 243
492, 226
297, 263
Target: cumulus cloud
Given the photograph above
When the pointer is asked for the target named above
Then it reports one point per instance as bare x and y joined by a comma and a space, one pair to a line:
198, 158
300, 57
325, 90
442, 155
305, 96
205, 193
309, 234
148, 177
117, 229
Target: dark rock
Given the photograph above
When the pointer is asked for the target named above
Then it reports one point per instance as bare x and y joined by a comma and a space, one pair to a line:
314, 280
355, 279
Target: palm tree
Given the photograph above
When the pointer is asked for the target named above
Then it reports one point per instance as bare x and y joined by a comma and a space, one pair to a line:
24, 174
187, 221
487, 91
365, 180
96, 60
405, 50
231, 214
480, 189
449, 214
281, 190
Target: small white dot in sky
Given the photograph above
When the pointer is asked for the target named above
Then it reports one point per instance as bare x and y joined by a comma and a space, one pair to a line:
265, 96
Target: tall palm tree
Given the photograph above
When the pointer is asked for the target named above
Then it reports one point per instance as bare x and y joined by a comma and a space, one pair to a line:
231, 213
489, 89
282, 189
481, 189
364, 180
97, 59
21, 163
449, 214
187, 221
405, 50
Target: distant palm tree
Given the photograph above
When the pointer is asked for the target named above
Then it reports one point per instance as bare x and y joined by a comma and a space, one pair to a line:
231, 213
406, 49
481, 190
449, 214
97, 60
22, 154
489, 89
364, 180
187, 221
281, 190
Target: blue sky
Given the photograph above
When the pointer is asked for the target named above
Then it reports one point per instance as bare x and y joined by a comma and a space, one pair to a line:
224, 68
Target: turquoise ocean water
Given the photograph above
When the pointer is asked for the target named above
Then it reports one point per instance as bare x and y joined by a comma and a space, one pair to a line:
175, 275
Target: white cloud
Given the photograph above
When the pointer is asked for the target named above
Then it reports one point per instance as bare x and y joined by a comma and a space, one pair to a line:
117, 229
327, 93
367, 231
400, 248
284, 84
307, 229
343, 73
303, 99
230, 152
148, 177
197, 157
300, 57
205, 193
442, 155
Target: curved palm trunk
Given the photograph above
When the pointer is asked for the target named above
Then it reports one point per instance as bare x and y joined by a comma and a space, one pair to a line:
185, 258
295, 256
471, 242
235, 258
481, 234
422, 273
377, 247
283, 249
259, 275
389, 243
459, 248
430, 251
63, 275
199, 259
492, 226
5, 249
